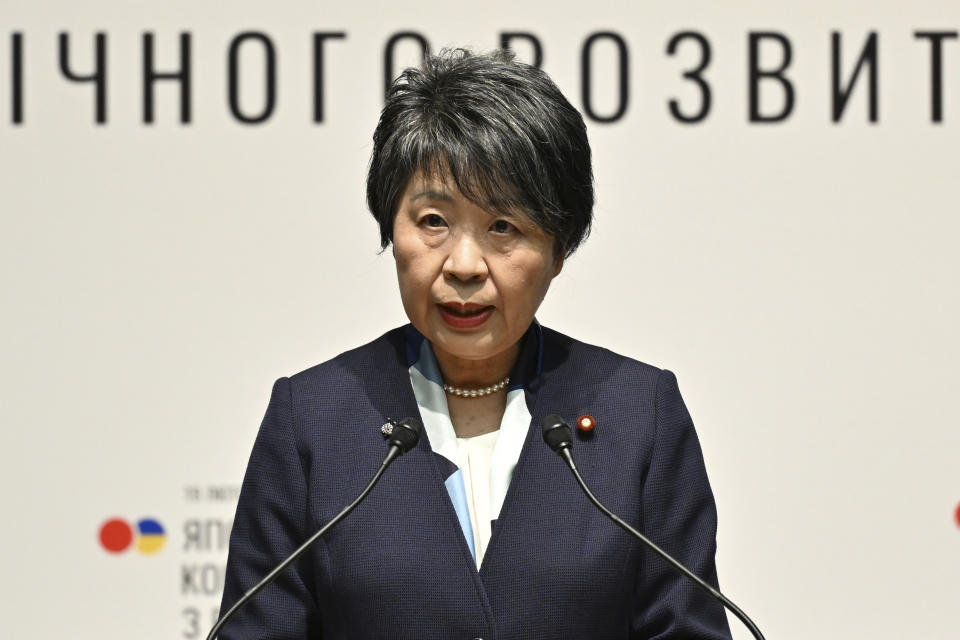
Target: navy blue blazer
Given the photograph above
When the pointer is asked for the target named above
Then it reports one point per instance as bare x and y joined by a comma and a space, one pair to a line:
399, 567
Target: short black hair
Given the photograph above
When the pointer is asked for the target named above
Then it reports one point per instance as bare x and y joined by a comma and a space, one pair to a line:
500, 128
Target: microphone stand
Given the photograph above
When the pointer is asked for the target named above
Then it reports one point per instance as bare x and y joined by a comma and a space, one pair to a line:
403, 436
557, 435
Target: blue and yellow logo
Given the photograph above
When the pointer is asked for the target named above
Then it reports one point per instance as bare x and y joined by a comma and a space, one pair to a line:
148, 536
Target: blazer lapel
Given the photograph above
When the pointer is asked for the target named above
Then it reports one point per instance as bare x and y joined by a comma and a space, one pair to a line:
420, 468
539, 472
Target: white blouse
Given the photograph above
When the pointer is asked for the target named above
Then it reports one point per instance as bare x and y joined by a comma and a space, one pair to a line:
475, 458
484, 463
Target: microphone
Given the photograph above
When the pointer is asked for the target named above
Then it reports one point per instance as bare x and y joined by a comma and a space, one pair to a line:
557, 435
401, 436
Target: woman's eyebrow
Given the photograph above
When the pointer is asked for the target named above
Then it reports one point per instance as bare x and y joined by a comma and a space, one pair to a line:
505, 210
433, 195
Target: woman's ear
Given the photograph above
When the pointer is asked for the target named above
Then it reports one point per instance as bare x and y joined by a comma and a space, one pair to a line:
558, 267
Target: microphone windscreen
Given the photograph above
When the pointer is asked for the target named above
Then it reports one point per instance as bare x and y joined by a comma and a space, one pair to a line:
556, 432
406, 434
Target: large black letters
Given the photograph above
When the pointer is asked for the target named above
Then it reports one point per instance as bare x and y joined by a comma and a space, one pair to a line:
16, 77
756, 74
506, 37
98, 76
318, 39
388, 73
936, 69
151, 76
695, 75
842, 94
586, 82
270, 82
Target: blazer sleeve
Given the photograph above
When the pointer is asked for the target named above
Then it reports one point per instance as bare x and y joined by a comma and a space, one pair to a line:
680, 516
271, 521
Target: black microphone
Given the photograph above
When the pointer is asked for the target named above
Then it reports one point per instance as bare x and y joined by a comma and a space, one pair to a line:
557, 435
401, 435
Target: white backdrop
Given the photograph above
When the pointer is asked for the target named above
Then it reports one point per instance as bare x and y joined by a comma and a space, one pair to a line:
800, 277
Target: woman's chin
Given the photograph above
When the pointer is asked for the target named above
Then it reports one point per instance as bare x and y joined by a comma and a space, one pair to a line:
473, 345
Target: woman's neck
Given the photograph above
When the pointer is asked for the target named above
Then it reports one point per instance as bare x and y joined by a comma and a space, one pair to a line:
464, 372
479, 415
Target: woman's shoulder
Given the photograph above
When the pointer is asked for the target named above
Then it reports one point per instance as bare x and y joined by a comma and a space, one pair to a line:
563, 351
358, 386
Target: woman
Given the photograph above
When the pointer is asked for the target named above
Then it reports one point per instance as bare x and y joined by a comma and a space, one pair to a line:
481, 180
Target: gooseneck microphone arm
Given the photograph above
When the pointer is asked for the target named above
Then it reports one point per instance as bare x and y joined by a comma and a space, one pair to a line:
557, 434
401, 436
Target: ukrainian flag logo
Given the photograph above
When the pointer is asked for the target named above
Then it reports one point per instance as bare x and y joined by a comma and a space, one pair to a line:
148, 536
152, 536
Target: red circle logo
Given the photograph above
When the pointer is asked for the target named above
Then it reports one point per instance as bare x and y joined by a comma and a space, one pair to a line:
957, 515
116, 535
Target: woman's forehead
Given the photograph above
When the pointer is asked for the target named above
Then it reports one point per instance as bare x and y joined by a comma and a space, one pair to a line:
440, 186
438, 181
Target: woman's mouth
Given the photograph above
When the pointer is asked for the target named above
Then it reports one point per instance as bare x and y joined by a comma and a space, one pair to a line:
464, 316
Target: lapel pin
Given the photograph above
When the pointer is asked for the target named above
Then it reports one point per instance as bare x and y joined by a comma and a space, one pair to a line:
387, 428
586, 423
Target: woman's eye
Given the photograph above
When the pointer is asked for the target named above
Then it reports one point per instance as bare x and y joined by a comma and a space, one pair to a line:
502, 226
433, 220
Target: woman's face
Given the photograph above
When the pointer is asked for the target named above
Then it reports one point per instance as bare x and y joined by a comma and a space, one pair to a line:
470, 279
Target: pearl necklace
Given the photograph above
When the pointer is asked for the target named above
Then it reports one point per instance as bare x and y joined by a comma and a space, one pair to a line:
476, 393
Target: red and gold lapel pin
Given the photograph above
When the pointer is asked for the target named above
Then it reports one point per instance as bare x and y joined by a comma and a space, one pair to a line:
586, 424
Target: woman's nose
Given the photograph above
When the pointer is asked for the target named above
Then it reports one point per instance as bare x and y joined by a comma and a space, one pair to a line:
466, 261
